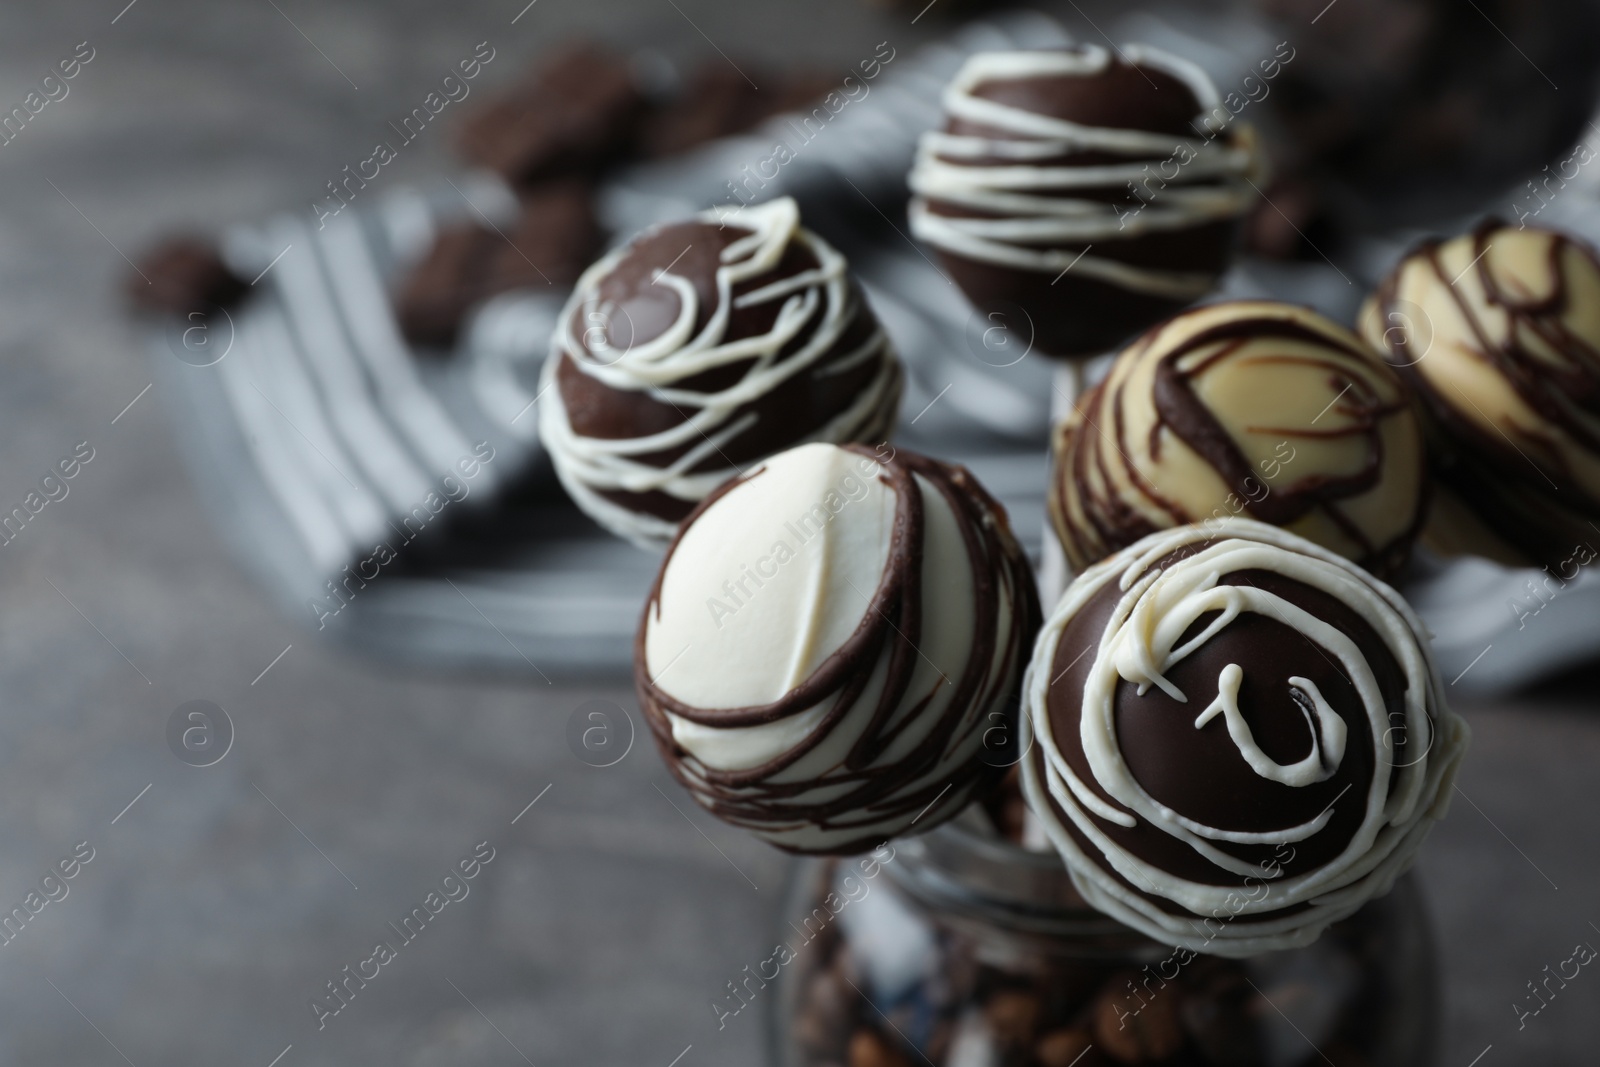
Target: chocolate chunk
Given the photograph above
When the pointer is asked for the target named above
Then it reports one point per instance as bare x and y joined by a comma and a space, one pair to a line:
547, 248
717, 101
576, 113
555, 238
436, 294
183, 274
797, 92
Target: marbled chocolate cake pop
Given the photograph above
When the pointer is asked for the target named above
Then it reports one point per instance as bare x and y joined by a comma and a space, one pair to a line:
828, 641
1237, 739
1099, 193
1498, 332
700, 348
1250, 408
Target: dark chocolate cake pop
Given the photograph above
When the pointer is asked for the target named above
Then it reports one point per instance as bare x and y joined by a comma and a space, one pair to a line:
1238, 737
1498, 332
829, 641
699, 348
1248, 408
1099, 193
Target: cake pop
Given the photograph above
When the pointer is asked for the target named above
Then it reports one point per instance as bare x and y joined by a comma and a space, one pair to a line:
699, 348
1251, 407
1237, 738
1498, 332
829, 640
1098, 193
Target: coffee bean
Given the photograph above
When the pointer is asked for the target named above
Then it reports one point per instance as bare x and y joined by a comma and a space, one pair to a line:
1062, 1048
869, 1049
1013, 1016
1140, 1028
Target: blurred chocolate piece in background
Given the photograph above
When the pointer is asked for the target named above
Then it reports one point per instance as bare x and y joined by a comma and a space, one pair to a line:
717, 100
1291, 220
180, 275
553, 240
1407, 112
576, 112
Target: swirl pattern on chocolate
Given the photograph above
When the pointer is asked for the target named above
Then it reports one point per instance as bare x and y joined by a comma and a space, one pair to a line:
699, 348
828, 641
1087, 188
1498, 332
1236, 741
1250, 408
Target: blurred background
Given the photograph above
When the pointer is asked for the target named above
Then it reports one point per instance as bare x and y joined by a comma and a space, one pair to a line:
348, 765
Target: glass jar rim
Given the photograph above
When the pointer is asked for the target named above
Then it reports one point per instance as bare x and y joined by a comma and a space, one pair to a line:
961, 872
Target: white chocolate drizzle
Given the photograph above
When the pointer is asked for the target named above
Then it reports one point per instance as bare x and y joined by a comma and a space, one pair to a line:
589, 466
1139, 646
1327, 733
1031, 219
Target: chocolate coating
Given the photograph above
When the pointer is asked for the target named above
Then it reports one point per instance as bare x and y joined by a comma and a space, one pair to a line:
1096, 192
700, 348
1498, 332
1238, 740
1120, 96
1199, 773
1256, 408
843, 711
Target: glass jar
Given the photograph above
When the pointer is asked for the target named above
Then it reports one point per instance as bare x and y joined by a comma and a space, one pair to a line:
966, 951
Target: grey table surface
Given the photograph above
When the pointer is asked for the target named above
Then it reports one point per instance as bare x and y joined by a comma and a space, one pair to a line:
224, 897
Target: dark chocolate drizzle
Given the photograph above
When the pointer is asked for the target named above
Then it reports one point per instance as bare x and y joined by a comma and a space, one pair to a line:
1526, 496
1085, 460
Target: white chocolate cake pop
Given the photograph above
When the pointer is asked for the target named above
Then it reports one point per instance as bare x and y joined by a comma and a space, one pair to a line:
828, 641
1254, 407
1498, 332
